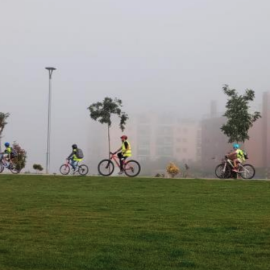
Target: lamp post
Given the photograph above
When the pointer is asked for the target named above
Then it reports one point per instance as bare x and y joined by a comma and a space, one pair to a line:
50, 69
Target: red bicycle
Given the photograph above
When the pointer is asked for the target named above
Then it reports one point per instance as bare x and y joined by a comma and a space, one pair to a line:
106, 167
82, 169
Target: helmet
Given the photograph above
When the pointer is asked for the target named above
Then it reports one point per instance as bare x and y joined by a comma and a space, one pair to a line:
74, 146
124, 137
236, 146
7, 144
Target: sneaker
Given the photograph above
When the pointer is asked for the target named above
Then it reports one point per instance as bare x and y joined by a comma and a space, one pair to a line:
121, 172
72, 172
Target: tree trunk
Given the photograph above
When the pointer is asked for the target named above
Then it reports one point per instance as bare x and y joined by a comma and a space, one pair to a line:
1, 130
109, 140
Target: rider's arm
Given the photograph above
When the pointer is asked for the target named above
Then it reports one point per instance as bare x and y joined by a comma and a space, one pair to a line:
117, 150
70, 156
232, 155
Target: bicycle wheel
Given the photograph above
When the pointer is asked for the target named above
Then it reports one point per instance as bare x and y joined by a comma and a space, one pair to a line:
247, 171
132, 168
220, 173
64, 169
15, 169
83, 169
105, 167
1, 167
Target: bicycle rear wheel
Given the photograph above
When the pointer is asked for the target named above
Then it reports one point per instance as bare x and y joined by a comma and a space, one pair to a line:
247, 171
132, 168
15, 169
64, 169
83, 169
105, 167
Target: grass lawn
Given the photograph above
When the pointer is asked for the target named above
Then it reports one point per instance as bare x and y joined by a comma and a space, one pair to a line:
53, 222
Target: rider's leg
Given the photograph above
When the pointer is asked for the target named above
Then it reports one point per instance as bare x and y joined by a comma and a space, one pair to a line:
73, 163
236, 164
121, 160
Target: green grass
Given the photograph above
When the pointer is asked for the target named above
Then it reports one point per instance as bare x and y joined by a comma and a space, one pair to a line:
50, 222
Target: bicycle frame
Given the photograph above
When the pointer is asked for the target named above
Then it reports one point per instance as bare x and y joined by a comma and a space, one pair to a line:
228, 161
68, 164
115, 159
4, 162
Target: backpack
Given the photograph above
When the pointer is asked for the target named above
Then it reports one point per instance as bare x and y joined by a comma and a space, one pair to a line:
79, 153
14, 152
245, 154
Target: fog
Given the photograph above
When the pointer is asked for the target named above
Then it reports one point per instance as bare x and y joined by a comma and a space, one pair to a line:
157, 56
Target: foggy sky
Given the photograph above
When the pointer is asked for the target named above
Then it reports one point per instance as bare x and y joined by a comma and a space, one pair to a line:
165, 56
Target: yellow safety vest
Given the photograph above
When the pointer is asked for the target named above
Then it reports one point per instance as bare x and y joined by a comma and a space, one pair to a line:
75, 158
240, 154
126, 152
8, 150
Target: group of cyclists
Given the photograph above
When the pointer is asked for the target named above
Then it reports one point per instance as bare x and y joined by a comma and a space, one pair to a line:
76, 156
123, 153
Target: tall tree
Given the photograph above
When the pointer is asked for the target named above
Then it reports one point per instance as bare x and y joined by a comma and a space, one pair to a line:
3, 122
103, 111
239, 117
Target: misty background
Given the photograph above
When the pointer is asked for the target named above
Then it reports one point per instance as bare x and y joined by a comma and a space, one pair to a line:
161, 56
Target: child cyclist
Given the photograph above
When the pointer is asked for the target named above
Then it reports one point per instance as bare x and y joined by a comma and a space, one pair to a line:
237, 156
124, 152
9, 154
75, 157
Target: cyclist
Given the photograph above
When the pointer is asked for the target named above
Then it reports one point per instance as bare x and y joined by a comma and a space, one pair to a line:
237, 156
75, 157
125, 152
9, 154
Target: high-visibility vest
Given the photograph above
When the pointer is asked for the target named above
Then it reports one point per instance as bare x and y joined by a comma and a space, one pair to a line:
126, 152
240, 154
8, 150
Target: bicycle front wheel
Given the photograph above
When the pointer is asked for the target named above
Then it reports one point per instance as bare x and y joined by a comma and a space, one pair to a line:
132, 168
1, 167
64, 169
105, 167
83, 169
219, 171
247, 171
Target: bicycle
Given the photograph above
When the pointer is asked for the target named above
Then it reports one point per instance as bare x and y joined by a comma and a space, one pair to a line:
10, 166
225, 170
106, 167
82, 169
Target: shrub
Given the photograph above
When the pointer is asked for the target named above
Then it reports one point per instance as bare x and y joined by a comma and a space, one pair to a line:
172, 170
37, 167
20, 160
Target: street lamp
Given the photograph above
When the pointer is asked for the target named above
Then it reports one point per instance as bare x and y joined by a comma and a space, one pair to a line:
50, 69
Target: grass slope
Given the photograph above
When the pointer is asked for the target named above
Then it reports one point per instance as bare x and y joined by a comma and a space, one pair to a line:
52, 222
